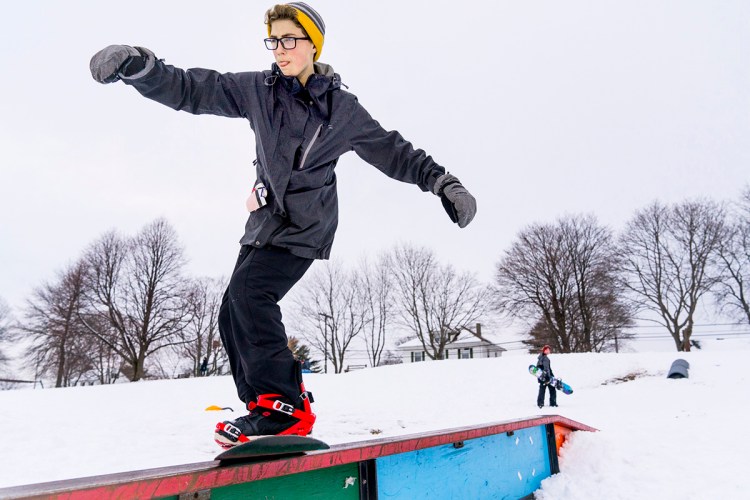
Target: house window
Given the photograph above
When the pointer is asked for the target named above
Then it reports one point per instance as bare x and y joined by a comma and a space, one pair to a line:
417, 356
466, 353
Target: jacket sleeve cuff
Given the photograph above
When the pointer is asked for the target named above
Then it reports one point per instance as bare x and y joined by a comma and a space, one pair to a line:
433, 177
150, 63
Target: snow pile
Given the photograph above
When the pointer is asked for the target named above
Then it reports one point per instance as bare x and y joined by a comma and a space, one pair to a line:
659, 438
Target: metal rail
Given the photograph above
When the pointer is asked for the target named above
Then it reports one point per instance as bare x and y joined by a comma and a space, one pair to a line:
190, 479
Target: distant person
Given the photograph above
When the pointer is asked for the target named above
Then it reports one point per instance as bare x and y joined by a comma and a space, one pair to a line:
204, 367
543, 362
303, 122
306, 365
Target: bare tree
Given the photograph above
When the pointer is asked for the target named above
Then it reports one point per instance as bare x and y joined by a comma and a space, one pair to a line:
376, 282
733, 289
106, 364
59, 344
333, 311
137, 285
435, 301
600, 311
563, 276
200, 339
666, 254
5, 332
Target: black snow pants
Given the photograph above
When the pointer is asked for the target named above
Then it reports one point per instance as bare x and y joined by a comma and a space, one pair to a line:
250, 322
552, 395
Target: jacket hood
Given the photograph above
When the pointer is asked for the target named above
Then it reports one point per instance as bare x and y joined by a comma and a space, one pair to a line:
324, 69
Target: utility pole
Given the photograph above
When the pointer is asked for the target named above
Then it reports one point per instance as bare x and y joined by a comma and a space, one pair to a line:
326, 317
617, 348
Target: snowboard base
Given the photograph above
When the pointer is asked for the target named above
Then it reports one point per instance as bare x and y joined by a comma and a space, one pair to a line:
555, 382
270, 446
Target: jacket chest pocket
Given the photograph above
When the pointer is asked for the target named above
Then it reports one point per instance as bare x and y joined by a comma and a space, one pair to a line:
303, 151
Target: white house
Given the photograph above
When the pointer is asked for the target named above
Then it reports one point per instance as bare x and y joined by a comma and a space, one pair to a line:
466, 346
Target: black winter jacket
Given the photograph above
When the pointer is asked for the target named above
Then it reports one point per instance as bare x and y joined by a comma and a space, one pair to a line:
543, 362
300, 133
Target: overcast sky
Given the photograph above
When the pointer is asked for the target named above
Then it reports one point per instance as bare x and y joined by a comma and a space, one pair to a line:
541, 108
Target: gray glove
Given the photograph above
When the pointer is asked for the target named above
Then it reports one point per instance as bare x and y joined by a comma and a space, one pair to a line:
117, 61
457, 201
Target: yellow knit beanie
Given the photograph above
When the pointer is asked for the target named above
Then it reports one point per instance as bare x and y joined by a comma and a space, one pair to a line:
312, 23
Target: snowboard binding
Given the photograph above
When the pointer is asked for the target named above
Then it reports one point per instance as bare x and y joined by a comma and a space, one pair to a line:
270, 415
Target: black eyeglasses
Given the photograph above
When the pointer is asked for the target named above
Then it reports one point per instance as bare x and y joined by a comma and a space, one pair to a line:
288, 42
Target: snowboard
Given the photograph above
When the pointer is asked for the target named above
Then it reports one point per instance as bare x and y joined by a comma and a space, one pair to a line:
557, 383
272, 446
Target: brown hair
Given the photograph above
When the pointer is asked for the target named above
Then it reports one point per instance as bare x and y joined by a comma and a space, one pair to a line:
282, 11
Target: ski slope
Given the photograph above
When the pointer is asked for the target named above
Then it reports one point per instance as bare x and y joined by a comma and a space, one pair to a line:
659, 438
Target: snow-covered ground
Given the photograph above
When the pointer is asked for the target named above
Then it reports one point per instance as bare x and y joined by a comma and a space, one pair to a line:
659, 438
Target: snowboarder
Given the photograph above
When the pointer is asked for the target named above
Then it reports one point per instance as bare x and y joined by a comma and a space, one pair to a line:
204, 366
543, 362
303, 122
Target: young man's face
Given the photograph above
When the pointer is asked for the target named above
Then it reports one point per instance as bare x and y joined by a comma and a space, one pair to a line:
297, 62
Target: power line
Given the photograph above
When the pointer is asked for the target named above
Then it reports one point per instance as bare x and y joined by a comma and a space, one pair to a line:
695, 325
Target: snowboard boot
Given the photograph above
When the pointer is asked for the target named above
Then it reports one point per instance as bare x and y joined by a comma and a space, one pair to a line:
270, 415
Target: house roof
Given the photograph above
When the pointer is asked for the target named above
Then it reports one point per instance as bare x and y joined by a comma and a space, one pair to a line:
464, 340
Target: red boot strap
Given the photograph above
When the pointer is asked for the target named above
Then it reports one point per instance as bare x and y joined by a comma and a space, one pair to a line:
307, 398
268, 402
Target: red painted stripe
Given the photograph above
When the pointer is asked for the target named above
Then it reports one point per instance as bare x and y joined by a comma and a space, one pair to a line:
169, 481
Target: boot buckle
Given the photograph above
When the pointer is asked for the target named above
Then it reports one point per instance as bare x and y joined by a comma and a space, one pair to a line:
283, 407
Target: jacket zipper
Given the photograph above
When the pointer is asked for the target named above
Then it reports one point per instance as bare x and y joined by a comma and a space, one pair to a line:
309, 147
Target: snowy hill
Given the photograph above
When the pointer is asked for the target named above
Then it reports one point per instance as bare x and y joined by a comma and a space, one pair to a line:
659, 438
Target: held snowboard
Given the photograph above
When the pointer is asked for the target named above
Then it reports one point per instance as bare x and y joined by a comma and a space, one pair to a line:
272, 446
555, 382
